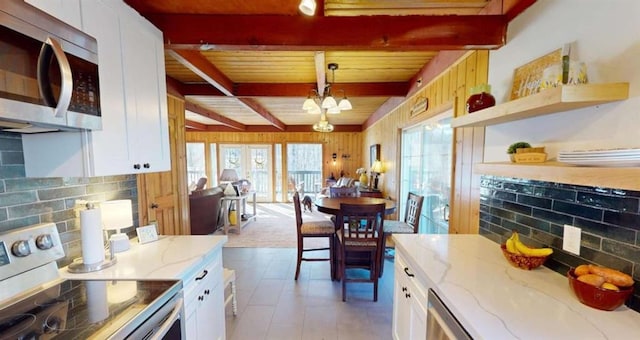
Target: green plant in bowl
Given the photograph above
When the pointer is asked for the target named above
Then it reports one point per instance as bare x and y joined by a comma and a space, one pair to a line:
517, 145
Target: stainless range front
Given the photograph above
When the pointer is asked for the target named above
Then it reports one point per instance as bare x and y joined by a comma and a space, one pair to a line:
37, 304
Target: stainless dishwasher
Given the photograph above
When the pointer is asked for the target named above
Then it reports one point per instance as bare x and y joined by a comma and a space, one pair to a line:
441, 324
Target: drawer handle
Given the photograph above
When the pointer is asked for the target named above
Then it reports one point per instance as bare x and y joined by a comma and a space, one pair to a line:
200, 298
406, 271
407, 295
203, 275
404, 289
206, 292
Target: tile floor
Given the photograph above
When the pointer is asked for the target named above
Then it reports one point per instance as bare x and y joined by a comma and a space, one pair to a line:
272, 305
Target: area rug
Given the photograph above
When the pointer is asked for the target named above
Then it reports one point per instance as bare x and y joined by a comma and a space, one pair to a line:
274, 227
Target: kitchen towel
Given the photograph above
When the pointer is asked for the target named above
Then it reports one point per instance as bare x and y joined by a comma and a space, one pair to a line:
91, 236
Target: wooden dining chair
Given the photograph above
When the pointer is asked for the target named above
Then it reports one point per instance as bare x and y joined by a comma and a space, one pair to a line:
361, 232
343, 192
310, 229
411, 221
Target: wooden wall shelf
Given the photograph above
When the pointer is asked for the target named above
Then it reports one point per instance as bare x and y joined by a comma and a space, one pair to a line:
627, 178
563, 98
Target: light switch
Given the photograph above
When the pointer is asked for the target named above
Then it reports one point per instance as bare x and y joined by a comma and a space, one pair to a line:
571, 239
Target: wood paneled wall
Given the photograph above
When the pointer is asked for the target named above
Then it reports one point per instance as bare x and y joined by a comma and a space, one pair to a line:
449, 89
341, 143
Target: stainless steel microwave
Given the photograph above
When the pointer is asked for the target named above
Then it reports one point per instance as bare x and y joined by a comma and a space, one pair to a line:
48, 73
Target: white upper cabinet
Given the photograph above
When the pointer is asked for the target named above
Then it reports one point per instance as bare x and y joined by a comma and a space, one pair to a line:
134, 137
65, 10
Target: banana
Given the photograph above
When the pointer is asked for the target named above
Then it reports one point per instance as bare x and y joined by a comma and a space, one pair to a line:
511, 247
530, 251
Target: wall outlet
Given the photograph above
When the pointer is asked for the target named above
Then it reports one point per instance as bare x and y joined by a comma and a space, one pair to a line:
571, 239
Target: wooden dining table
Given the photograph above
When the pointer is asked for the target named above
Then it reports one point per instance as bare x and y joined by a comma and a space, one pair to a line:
331, 205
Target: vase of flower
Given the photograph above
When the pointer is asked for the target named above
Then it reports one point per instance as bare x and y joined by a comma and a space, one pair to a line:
363, 177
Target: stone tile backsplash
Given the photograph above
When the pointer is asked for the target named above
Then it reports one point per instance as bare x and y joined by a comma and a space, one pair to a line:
609, 219
26, 201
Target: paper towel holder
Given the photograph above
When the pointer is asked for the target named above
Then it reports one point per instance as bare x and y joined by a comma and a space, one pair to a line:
78, 265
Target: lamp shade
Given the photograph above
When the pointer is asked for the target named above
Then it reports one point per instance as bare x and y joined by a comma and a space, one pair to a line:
116, 214
377, 167
329, 102
229, 175
307, 7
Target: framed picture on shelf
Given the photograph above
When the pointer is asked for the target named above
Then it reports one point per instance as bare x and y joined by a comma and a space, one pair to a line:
374, 154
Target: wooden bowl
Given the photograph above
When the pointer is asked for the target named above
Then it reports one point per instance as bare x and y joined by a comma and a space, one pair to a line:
597, 297
522, 261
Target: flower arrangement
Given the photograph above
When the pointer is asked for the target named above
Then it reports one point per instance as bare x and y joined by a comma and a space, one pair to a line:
361, 171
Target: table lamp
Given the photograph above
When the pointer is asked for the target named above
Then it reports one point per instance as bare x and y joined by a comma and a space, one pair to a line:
376, 170
117, 215
229, 175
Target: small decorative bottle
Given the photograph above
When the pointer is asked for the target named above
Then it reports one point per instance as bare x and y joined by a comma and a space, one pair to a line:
480, 98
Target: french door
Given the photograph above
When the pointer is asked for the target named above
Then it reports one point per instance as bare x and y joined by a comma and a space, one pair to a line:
426, 164
252, 162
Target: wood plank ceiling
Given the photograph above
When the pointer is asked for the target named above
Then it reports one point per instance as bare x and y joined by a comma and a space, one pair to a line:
249, 65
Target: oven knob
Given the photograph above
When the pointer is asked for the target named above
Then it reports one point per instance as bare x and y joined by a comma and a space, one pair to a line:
52, 325
44, 242
21, 248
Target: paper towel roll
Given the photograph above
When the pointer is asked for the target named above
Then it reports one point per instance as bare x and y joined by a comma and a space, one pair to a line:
91, 236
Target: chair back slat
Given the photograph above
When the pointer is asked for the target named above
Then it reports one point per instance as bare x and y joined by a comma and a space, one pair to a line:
362, 223
296, 206
343, 192
413, 210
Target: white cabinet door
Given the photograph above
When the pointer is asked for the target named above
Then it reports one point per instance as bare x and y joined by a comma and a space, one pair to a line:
204, 301
65, 10
110, 148
401, 307
145, 90
409, 303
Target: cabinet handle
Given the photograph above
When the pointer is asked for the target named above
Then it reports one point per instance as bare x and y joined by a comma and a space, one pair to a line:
146, 165
202, 276
406, 271
136, 166
200, 298
404, 289
154, 205
407, 295
206, 292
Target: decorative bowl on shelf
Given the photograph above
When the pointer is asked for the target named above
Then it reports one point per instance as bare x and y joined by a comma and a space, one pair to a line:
522, 261
596, 297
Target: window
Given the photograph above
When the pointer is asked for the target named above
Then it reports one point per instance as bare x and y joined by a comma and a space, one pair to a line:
304, 168
196, 163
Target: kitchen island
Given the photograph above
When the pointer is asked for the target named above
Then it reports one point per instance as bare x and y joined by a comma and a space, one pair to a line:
493, 300
195, 259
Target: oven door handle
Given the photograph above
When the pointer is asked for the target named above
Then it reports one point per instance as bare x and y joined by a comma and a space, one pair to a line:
175, 315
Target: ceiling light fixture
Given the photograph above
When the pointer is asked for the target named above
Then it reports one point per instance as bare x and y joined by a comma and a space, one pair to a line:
316, 102
307, 7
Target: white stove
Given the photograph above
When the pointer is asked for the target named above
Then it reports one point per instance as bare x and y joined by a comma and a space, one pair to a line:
36, 303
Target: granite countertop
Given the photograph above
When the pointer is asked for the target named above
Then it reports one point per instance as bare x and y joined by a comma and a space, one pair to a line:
494, 300
170, 257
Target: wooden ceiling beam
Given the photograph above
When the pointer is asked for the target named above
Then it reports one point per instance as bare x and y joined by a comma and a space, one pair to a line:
199, 65
321, 72
298, 90
290, 128
195, 126
189, 106
286, 33
259, 109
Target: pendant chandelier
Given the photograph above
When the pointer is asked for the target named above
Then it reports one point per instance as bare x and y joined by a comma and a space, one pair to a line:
316, 102
323, 125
